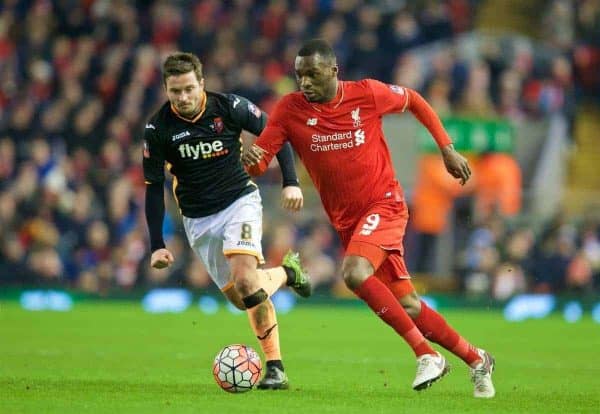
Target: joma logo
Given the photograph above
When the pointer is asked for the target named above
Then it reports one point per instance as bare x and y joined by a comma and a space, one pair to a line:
181, 135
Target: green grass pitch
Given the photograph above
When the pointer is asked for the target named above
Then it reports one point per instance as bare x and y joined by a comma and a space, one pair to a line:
112, 357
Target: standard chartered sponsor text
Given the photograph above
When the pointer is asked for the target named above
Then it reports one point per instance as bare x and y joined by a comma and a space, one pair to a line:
330, 142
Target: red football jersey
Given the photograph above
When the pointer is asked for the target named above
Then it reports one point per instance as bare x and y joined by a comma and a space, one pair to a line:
342, 145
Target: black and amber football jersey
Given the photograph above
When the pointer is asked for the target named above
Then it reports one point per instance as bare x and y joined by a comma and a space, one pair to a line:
204, 154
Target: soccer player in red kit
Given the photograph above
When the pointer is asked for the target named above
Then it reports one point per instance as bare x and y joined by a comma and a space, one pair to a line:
336, 128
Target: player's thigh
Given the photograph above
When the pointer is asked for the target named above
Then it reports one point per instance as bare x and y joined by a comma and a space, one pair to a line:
395, 276
206, 240
243, 272
243, 230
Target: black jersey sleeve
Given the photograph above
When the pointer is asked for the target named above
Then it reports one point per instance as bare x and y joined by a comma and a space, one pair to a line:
285, 157
154, 156
154, 175
155, 214
246, 114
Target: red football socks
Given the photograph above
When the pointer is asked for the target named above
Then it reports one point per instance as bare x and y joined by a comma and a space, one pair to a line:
435, 328
381, 301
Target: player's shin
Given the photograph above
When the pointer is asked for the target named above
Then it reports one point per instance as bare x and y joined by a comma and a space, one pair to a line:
385, 305
263, 320
435, 328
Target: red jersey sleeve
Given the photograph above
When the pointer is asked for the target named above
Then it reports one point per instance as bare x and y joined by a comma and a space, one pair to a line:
271, 139
394, 98
388, 98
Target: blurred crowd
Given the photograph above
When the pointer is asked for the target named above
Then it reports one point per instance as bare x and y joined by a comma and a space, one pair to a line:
504, 258
79, 78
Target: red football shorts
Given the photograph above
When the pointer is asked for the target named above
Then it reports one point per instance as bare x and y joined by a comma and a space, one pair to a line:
378, 238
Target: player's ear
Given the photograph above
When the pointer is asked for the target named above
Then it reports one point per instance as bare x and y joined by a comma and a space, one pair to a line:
334, 70
201, 82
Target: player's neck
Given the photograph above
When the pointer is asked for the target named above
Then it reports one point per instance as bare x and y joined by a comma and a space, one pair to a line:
334, 95
333, 100
196, 115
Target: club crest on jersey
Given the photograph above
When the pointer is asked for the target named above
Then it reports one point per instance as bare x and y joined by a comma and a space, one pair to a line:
181, 135
217, 125
254, 109
397, 89
311, 121
356, 117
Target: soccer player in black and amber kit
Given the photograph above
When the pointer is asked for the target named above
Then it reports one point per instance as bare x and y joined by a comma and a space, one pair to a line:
197, 134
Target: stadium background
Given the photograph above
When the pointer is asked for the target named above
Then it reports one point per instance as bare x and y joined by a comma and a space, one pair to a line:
518, 85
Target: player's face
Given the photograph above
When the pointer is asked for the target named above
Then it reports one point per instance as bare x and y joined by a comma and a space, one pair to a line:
316, 77
185, 93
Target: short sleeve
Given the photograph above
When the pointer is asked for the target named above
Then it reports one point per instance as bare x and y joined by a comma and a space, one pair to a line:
388, 98
246, 114
154, 156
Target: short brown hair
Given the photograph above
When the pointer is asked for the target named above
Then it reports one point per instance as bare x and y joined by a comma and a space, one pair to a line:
180, 63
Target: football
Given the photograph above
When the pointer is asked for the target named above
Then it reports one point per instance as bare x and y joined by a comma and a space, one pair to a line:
237, 368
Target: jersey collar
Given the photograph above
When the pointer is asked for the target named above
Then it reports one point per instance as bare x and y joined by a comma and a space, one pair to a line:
197, 117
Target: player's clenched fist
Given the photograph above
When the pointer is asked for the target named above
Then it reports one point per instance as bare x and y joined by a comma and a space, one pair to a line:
292, 198
252, 155
161, 258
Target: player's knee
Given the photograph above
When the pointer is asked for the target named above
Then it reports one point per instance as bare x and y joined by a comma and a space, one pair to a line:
255, 298
234, 297
412, 304
355, 272
237, 301
243, 272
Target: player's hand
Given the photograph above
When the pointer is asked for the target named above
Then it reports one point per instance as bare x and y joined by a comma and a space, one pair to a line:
161, 258
456, 164
292, 198
252, 155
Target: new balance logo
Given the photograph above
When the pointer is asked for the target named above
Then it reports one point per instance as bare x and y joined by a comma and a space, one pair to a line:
382, 311
311, 121
150, 126
181, 135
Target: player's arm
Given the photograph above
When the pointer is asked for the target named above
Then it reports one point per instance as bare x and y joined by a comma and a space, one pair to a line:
272, 138
154, 176
394, 98
455, 163
252, 119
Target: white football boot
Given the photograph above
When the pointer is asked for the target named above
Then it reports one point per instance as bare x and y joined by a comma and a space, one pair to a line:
430, 368
481, 376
